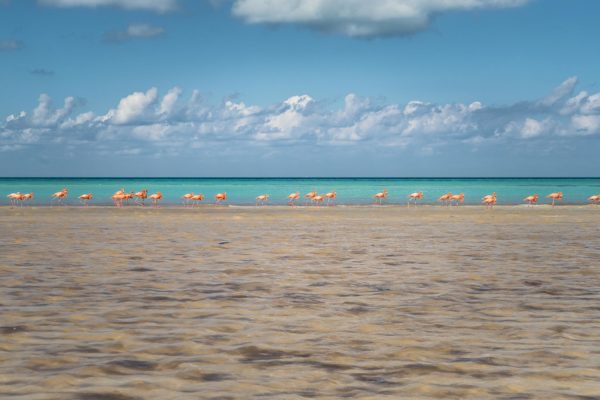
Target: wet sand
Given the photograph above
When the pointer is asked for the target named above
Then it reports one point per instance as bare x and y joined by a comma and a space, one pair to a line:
279, 303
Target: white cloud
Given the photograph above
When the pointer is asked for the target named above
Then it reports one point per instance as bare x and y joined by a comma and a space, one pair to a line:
16, 117
561, 91
573, 104
151, 132
359, 18
131, 108
586, 124
285, 124
45, 115
173, 122
80, 119
169, 100
591, 105
532, 128
152, 5
134, 31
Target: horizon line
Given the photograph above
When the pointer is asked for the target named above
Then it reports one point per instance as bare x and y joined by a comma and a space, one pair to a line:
299, 177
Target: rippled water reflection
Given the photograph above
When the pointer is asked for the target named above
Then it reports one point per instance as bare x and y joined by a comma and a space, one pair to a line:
103, 304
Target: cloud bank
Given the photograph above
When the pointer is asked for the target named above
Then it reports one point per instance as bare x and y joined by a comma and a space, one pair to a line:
359, 18
355, 18
145, 121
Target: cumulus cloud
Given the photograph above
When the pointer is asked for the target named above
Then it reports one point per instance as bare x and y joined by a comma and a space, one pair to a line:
562, 90
134, 31
131, 108
169, 100
359, 18
151, 5
174, 121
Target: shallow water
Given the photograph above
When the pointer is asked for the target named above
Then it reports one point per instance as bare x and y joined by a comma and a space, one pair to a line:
279, 303
349, 190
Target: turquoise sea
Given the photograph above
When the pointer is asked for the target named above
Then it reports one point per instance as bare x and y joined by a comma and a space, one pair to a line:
243, 191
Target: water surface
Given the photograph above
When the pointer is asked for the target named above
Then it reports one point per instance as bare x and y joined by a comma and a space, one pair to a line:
349, 190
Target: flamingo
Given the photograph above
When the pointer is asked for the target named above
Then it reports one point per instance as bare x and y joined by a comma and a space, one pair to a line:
22, 197
293, 197
260, 200
60, 196
197, 198
17, 197
318, 199
127, 197
84, 198
555, 196
457, 198
141, 195
595, 198
26, 196
156, 197
118, 198
14, 197
445, 198
310, 196
414, 197
381, 196
219, 197
331, 197
531, 200
186, 198
489, 200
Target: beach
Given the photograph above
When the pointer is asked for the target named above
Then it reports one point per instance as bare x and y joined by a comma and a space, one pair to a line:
360, 302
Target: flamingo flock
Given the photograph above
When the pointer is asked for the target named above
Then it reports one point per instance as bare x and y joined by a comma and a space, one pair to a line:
122, 198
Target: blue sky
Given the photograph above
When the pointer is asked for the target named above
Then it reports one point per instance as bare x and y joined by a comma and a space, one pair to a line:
299, 88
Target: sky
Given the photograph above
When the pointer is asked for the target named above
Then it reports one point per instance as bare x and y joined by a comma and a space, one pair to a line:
411, 88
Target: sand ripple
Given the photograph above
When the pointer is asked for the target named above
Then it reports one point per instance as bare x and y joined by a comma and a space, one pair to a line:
105, 304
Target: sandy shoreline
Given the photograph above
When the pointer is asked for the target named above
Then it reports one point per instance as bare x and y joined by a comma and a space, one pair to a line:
247, 302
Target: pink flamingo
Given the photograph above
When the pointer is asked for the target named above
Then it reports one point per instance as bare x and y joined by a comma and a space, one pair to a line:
14, 198
489, 200
445, 198
118, 198
156, 197
310, 196
381, 196
196, 199
186, 198
457, 198
595, 198
531, 200
84, 198
413, 197
555, 196
331, 196
28, 196
260, 200
318, 199
141, 195
127, 197
60, 196
293, 197
219, 197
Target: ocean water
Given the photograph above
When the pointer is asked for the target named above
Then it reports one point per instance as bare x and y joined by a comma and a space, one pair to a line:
243, 191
